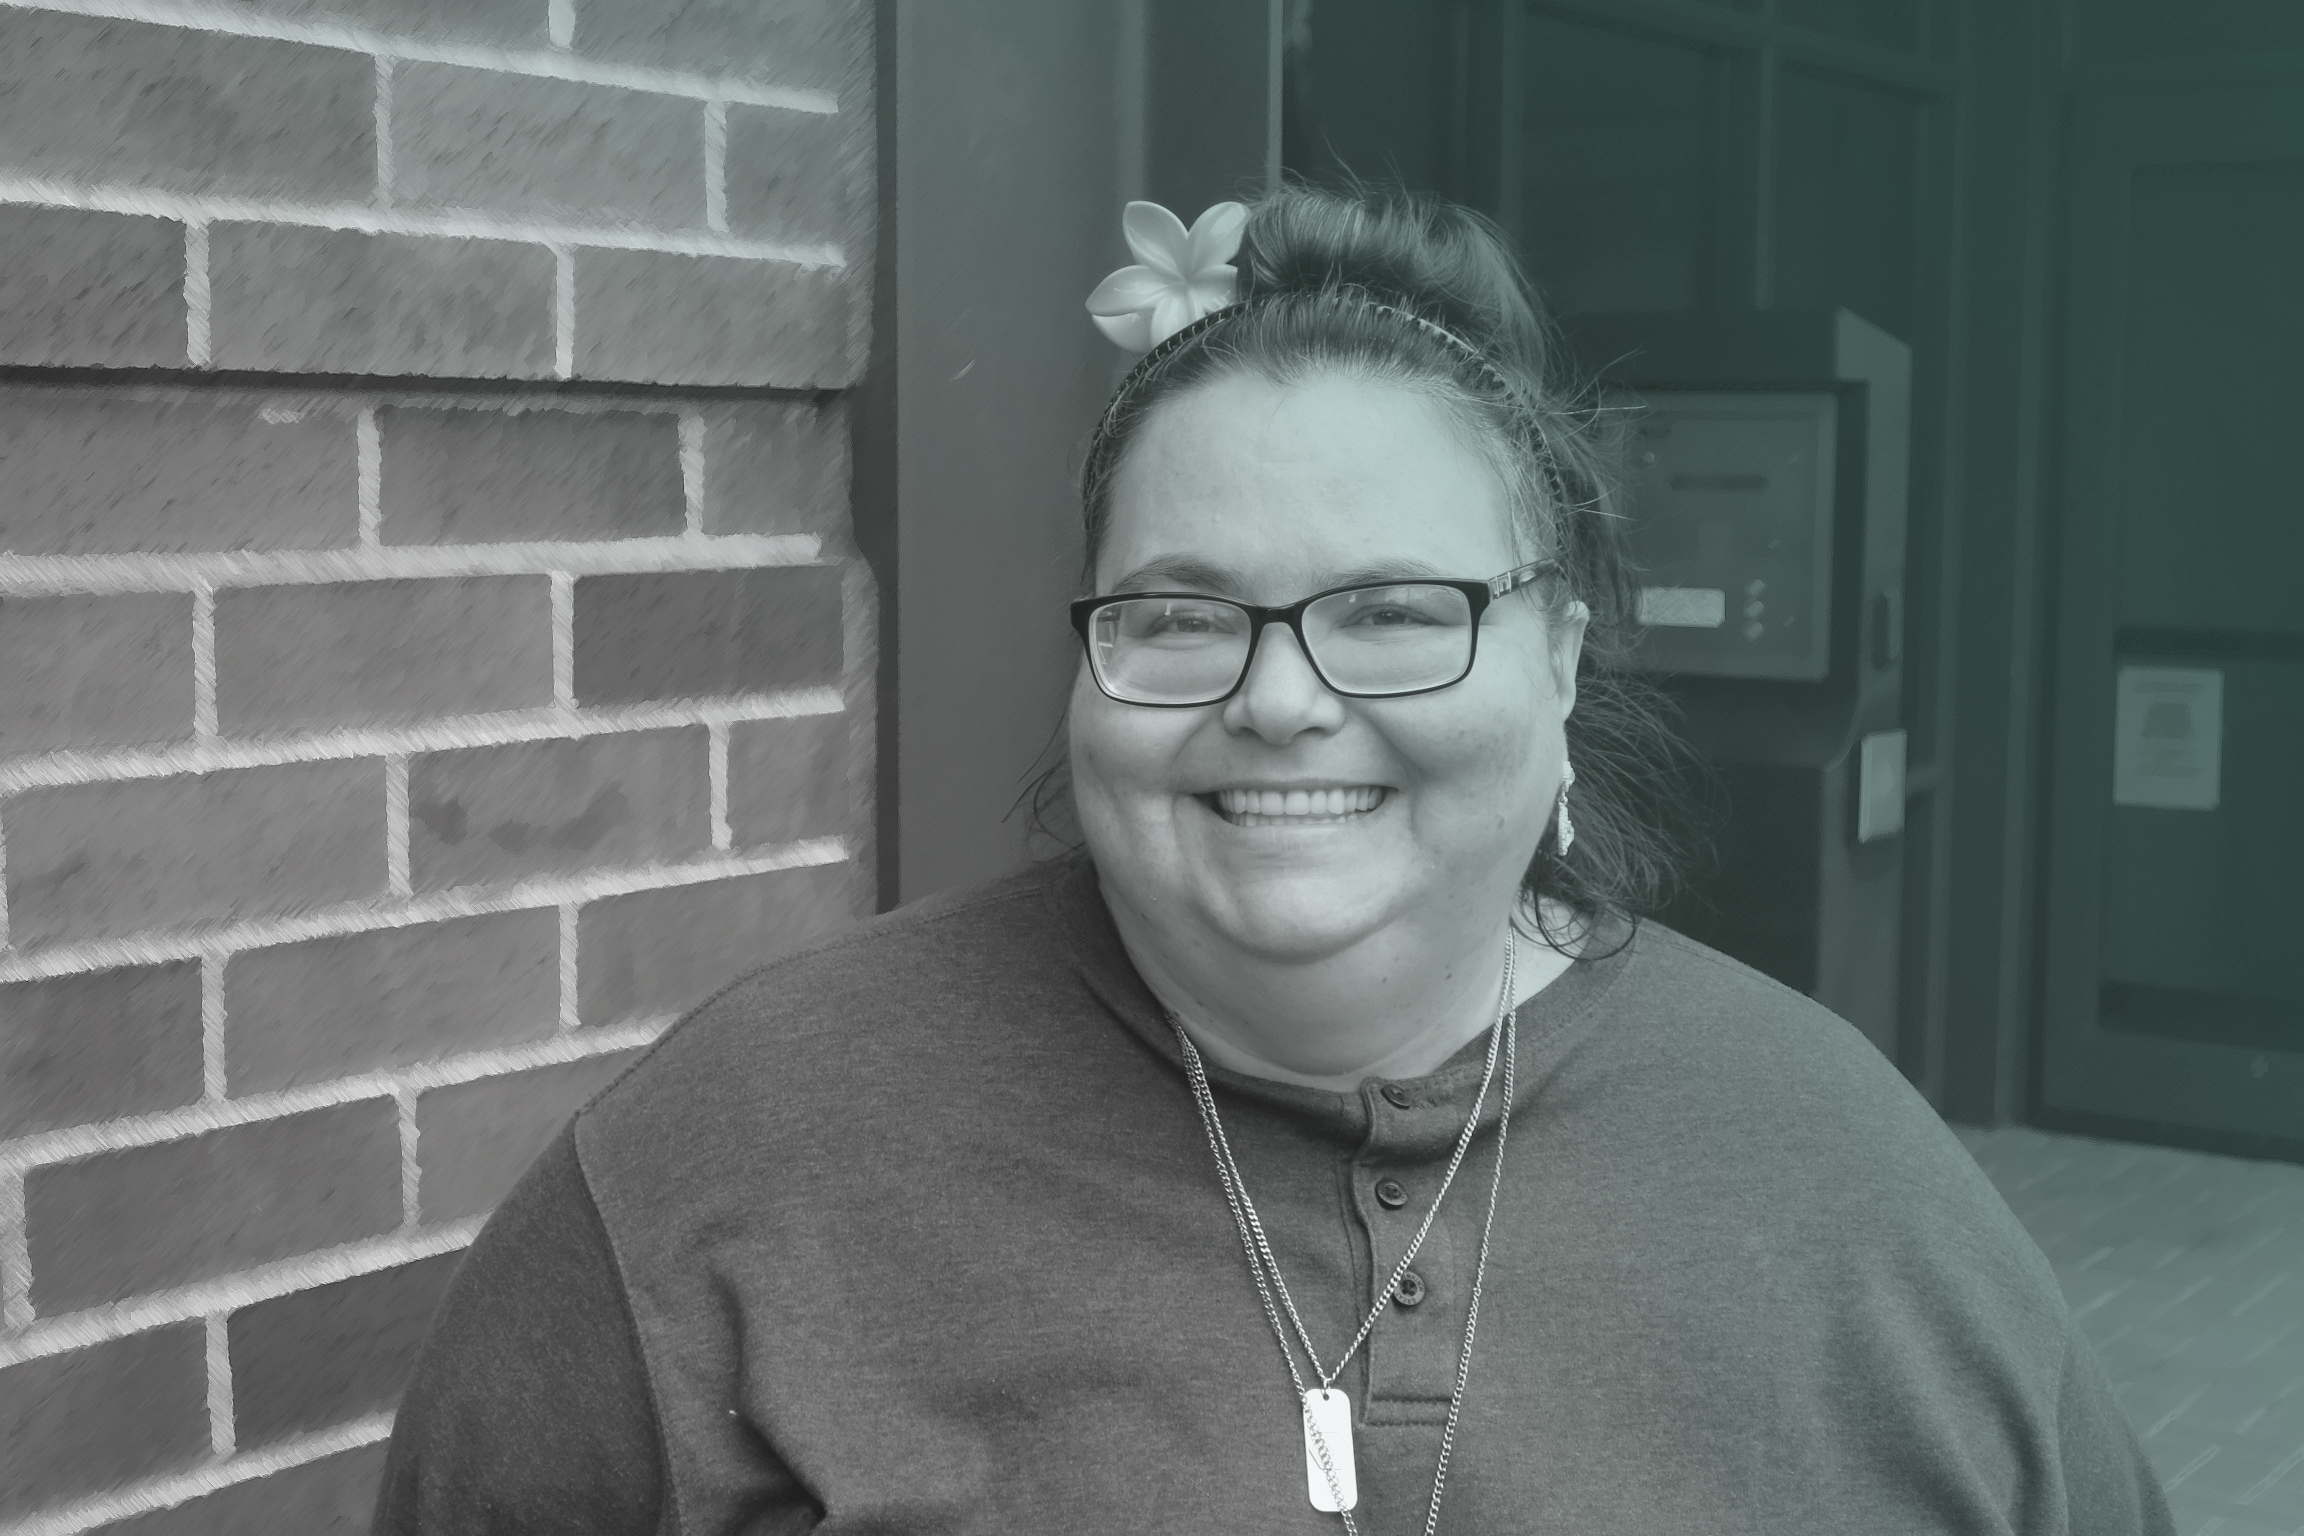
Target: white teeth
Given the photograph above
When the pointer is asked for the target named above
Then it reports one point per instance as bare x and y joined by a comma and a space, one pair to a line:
1254, 807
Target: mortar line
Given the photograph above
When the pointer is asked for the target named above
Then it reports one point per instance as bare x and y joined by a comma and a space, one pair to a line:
368, 218
546, 1050
716, 165
219, 1349
203, 662
214, 1081
167, 1492
371, 479
15, 1255
396, 824
44, 575
384, 130
563, 311
351, 917
3, 884
692, 471
411, 1169
555, 62
716, 758
571, 1001
548, 722
564, 642
196, 334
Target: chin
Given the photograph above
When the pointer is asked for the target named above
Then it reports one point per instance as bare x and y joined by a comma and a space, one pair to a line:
1296, 919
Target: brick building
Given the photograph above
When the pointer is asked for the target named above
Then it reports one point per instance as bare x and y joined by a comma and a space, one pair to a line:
433, 654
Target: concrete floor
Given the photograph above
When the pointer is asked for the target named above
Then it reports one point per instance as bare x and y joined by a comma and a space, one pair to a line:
2187, 1272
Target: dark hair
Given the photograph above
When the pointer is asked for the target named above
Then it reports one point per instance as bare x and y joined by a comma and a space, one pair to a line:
1386, 285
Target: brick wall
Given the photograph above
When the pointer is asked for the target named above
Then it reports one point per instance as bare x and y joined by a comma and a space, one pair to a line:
433, 655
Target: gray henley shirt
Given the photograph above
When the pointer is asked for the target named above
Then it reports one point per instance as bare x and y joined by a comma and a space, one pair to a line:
918, 1231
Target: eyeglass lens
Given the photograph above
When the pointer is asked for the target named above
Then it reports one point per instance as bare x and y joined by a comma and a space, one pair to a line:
1371, 640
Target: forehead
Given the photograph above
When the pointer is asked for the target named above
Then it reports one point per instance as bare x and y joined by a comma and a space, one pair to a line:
1293, 484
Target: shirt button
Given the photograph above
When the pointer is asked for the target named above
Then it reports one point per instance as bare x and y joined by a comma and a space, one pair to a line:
1390, 1194
1410, 1291
1395, 1095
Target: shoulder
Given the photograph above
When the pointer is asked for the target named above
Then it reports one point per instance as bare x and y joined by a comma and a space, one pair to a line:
880, 1017
1788, 1120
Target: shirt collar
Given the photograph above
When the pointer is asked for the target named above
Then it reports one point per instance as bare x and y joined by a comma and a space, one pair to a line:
1431, 1108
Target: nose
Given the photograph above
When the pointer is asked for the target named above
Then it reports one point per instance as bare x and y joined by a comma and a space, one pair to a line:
1281, 698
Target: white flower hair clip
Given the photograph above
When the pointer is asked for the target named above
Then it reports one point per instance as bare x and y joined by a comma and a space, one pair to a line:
1181, 274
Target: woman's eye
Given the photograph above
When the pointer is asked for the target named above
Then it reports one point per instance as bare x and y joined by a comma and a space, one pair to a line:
1181, 624
1389, 617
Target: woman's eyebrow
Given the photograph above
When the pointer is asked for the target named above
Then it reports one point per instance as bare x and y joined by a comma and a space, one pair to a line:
1390, 570
1193, 573
1186, 571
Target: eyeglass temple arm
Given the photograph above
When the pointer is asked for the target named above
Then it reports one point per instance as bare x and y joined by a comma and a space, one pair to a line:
1515, 579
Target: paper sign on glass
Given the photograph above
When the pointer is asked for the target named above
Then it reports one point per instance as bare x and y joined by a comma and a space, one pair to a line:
2168, 738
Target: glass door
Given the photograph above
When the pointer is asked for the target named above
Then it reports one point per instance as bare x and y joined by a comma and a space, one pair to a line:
2174, 941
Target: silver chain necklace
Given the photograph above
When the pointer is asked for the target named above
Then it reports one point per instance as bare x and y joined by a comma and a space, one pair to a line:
1327, 1413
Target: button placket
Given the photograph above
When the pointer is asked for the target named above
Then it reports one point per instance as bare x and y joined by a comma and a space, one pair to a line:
1413, 1348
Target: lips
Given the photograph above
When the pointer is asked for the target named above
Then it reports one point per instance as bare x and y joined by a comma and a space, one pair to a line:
1295, 807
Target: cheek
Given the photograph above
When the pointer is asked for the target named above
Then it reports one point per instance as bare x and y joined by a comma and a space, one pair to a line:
1121, 755
1495, 758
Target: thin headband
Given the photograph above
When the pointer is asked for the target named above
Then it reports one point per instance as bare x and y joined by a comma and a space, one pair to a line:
1191, 332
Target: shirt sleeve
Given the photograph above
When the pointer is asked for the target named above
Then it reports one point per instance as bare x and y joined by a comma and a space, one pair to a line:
529, 1410
2109, 1486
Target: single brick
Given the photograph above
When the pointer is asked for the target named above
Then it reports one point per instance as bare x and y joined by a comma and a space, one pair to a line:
672, 319
100, 290
78, 1049
123, 101
482, 814
334, 1496
484, 476
822, 43
89, 1420
302, 1013
776, 468
508, 23
475, 1139
99, 860
291, 658
338, 301
313, 1358
664, 951
800, 176
472, 138
118, 1224
789, 779
692, 634
95, 671
98, 472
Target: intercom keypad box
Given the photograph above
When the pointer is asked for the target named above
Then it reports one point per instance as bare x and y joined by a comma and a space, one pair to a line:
1731, 504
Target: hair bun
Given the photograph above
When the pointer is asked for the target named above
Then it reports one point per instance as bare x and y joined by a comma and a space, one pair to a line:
1427, 256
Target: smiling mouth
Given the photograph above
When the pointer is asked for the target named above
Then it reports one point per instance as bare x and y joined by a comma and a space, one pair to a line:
1295, 807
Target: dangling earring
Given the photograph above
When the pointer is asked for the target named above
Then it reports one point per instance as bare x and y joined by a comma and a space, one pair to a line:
1564, 830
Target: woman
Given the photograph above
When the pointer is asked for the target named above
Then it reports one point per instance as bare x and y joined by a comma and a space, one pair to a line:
1327, 1147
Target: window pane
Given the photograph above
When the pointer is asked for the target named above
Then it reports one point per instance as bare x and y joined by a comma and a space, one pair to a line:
1898, 24
1847, 200
1617, 134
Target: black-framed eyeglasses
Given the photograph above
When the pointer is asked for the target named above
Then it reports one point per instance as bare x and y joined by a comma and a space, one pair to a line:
1373, 640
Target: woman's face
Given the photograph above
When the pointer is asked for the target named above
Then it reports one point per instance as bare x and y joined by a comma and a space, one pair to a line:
1267, 493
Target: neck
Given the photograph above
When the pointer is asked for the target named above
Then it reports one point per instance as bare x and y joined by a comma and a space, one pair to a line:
1391, 1006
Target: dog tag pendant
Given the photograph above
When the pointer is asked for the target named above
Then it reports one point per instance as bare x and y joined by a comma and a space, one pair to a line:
1328, 1427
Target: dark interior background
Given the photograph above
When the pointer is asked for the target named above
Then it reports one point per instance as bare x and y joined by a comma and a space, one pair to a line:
2081, 215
